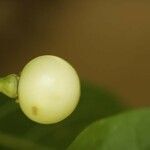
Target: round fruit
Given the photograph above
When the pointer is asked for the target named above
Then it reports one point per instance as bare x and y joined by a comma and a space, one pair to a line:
48, 89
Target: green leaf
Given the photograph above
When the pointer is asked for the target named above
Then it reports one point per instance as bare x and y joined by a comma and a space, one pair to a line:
127, 131
95, 103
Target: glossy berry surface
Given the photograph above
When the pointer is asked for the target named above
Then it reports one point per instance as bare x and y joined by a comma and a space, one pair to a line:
48, 90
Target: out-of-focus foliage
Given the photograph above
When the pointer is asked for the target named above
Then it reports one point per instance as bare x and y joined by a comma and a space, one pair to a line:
18, 132
127, 131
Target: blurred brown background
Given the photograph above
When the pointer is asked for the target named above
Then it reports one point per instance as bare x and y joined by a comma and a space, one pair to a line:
108, 42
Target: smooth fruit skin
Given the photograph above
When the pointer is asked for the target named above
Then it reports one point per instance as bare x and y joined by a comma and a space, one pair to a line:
48, 90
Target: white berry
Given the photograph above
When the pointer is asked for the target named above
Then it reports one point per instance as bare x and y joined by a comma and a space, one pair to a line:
48, 90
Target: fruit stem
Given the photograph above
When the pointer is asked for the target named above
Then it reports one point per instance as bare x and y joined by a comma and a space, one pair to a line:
9, 85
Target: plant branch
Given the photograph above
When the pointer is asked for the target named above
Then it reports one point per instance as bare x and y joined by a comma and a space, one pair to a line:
9, 85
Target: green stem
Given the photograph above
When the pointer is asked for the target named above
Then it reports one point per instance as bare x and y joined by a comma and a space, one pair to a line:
9, 85
12, 142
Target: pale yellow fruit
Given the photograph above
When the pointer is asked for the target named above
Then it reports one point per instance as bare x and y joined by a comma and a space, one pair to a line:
48, 90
